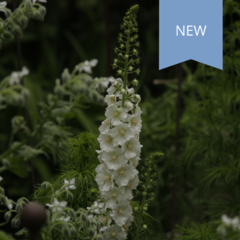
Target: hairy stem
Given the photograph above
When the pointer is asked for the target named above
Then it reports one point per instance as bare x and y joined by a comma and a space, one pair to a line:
142, 205
126, 65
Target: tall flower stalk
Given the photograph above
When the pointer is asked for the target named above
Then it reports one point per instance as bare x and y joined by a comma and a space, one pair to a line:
119, 135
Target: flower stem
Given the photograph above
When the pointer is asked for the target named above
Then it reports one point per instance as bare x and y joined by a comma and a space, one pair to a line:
142, 205
126, 65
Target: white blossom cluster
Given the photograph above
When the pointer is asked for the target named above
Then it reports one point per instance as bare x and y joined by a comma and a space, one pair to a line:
119, 155
227, 222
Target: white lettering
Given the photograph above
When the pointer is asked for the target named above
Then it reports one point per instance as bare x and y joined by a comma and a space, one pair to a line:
182, 32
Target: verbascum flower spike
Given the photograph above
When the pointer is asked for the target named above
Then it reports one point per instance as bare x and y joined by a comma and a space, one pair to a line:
120, 150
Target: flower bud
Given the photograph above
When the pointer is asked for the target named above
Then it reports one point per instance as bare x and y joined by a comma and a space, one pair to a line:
135, 83
13, 223
44, 185
23, 20
65, 75
16, 30
145, 226
7, 35
123, 91
8, 216
129, 105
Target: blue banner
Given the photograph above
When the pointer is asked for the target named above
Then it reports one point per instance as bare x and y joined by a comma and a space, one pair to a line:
190, 29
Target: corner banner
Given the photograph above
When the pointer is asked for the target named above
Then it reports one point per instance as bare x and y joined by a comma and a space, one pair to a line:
190, 29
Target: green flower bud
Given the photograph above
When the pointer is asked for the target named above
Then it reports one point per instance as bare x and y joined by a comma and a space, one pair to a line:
130, 68
8, 35
69, 196
8, 216
123, 91
135, 82
44, 185
23, 20
145, 226
13, 223
66, 75
16, 30
120, 71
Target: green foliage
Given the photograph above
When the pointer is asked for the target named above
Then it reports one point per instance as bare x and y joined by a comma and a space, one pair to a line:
81, 161
196, 232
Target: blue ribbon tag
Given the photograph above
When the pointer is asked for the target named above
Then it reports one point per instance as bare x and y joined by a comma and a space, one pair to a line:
190, 29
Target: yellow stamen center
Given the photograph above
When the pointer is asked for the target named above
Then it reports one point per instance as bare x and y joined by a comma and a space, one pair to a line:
120, 212
129, 186
134, 122
122, 132
106, 122
133, 162
114, 158
113, 234
107, 178
116, 114
112, 99
114, 195
122, 172
129, 146
108, 140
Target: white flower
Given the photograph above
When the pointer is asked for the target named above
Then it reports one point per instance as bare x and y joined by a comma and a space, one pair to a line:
87, 66
57, 206
137, 111
116, 114
105, 126
121, 213
134, 161
129, 105
113, 196
132, 148
135, 123
2, 6
103, 178
132, 184
226, 220
110, 100
115, 88
16, 76
127, 224
65, 219
121, 133
114, 233
124, 174
106, 219
106, 142
9, 203
70, 184
114, 159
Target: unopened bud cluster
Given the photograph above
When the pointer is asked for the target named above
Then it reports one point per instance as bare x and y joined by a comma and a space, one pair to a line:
127, 53
15, 22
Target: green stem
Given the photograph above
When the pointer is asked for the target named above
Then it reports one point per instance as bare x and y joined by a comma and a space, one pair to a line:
141, 209
126, 65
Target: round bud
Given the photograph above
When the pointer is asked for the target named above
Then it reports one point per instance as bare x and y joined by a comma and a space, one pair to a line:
123, 91
8, 216
65, 75
129, 105
135, 83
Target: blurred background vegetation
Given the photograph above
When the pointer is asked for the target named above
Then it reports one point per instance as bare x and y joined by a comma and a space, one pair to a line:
79, 30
